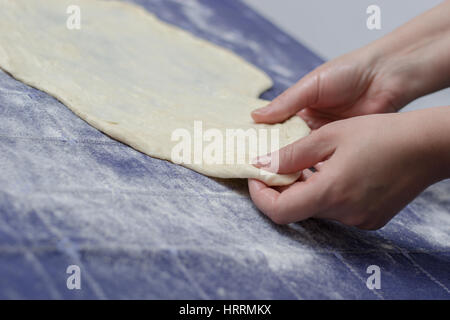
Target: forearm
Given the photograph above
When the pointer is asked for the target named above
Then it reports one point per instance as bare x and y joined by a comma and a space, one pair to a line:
418, 52
431, 25
430, 136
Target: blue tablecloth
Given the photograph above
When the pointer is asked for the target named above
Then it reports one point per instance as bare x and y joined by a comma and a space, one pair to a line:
144, 228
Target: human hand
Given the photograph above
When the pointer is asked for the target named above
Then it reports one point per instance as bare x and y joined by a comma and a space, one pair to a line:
381, 77
368, 168
351, 85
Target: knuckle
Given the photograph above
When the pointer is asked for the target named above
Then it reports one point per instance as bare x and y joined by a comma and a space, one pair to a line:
288, 155
326, 132
321, 138
316, 135
283, 158
282, 98
336, 197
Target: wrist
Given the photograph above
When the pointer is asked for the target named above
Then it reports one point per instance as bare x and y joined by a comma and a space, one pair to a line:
414, 58
430, 130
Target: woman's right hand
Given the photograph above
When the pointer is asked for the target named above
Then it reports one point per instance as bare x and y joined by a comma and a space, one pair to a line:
381, 77
352, 85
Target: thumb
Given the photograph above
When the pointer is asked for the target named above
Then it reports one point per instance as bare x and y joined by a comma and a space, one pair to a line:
301, 95
299, 155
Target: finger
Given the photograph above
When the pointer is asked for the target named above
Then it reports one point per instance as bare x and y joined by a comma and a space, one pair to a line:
283, 188
307, 174
318, 166
300, 201
301, 95
302, 154
263, 196
314, 119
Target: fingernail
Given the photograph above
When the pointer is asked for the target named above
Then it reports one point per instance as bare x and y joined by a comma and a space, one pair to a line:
255, 184
262, 161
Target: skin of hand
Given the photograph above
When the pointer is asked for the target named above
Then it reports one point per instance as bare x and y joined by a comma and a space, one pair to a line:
381, 77
370, 162
348, 86
368, 168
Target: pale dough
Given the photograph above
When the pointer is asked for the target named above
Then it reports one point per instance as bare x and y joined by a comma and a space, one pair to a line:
136, 78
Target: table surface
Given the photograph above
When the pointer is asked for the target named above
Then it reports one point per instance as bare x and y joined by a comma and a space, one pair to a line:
144, 228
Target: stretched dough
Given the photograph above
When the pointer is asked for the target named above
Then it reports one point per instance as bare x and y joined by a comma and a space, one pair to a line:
136, 78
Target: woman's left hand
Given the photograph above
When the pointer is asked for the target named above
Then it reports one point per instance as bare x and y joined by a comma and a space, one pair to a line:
367, 168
